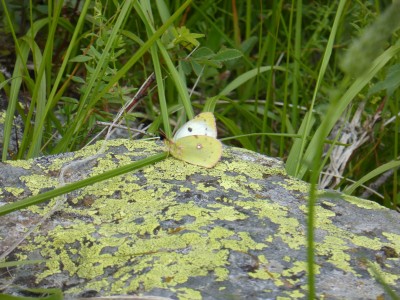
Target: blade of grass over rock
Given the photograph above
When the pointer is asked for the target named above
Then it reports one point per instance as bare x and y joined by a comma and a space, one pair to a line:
40, 294
392, 294
5, 209
318, 150
8, 264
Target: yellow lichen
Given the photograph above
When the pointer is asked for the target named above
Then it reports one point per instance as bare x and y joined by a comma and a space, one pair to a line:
394, 239
135, 226
15, 191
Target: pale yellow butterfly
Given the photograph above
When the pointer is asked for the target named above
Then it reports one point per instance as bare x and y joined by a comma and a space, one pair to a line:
196, 142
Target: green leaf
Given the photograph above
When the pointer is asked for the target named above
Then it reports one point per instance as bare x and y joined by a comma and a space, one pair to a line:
210, 62
186, 67
5, 82
78, 79
80, 58
184, 37
227, 54
248, 44
197, 68
242, 78
69, 100
391, 82
203, 52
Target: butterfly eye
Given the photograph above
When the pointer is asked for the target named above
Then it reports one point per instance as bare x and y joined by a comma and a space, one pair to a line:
190, 129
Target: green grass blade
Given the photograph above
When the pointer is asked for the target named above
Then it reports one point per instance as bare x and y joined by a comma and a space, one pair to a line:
380, 170
39, 95
34, 107
337, 108
50, 294
8, 264
53, 97
64, 143
160, 86
294, 96
294, 156
5, 209
13, 99
322, 71
318, 154
91, 94
231, 125
176, 77
243, 78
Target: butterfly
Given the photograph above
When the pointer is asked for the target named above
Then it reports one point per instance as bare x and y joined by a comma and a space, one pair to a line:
196, 142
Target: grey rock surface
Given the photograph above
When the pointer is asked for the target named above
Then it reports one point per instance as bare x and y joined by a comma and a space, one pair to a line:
236, 231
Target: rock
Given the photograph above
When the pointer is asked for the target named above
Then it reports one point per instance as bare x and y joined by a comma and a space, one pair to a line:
175, 230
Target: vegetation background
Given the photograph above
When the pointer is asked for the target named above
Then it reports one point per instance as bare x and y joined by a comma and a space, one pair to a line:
312, 82
307, 81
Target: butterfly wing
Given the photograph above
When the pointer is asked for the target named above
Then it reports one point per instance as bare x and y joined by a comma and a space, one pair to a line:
202, 124
200, 150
